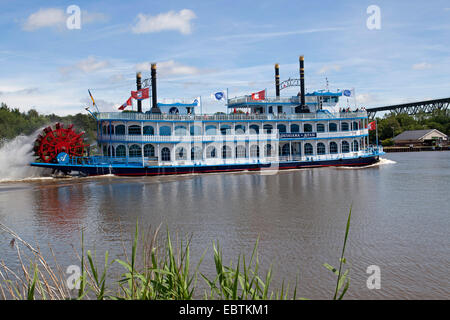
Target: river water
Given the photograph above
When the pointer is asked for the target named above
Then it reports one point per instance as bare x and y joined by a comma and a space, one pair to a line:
400, 220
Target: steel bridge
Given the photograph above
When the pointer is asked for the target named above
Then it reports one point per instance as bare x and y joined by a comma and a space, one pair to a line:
412, 108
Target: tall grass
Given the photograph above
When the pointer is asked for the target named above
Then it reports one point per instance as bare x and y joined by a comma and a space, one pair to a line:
152, 271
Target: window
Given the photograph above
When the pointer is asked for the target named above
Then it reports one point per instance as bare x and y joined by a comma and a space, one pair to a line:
211, 130
196, 131
226, 152
307, 127
295, 128
196, 153
254, 129
285, 152
254, 151
355, 125
165, 154
225, 129
320, 127
268, 128
211, 152
174, 110
134, 130
149, 151
240, 152
309, 149
111, 129
268, 150
149, 131
344, 126
135, 151
104, 130
320, 148
111, 151
281, 128
333, 147
180, 131
165, 131
180, 154
239, 129
355, 146
332, 127
121, 151
120, 129
345, 147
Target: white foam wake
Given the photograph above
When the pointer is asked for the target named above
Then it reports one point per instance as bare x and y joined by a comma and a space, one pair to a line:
15, 158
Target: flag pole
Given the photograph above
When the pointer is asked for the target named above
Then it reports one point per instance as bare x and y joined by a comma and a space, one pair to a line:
376, 132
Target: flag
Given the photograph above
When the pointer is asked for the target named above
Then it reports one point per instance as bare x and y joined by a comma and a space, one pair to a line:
372, 125
126, 104
141, 94
349, 93
260, 95
196, 101
92, 98
219, 96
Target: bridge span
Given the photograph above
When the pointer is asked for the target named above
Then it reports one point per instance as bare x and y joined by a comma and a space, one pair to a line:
412, 108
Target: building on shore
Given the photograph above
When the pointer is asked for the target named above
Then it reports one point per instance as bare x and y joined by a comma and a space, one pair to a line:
428, 137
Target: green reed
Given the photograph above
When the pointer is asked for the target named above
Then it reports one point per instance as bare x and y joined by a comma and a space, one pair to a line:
154, 271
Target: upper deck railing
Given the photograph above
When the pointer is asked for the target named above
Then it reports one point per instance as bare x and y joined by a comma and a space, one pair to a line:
249, 100
227, 117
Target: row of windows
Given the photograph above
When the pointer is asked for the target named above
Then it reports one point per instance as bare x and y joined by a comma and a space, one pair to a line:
225, 129
240, 152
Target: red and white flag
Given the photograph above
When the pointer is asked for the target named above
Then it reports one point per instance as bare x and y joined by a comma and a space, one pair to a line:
260, 95
372, 125
126, 104
141, 94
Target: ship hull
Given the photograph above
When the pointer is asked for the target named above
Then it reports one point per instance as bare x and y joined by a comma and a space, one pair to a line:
170, 170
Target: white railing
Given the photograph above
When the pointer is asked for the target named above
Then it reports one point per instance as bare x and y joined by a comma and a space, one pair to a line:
134, 116
189, 139
223, 138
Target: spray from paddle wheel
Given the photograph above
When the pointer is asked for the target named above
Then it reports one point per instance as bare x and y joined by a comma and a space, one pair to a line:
52, 142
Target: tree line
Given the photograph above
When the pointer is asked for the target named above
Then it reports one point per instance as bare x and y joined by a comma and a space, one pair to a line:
393, 124
13, 122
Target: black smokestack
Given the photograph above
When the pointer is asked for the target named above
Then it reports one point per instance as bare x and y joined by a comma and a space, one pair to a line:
155, 108
138, 87
277, 80
302, 82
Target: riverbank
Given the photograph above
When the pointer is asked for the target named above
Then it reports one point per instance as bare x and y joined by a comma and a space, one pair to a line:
415, 149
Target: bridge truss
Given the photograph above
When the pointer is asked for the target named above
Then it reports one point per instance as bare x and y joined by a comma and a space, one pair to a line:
412, 108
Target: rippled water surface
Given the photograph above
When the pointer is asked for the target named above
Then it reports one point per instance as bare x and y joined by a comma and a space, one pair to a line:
400, 220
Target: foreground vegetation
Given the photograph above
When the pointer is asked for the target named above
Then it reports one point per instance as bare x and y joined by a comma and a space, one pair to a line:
152, 272
391, 125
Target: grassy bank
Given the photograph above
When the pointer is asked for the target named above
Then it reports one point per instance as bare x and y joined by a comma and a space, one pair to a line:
154, 268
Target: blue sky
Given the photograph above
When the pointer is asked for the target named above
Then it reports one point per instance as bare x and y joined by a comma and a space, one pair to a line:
202, 47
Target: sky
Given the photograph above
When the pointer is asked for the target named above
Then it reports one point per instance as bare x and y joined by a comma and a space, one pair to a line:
202, 47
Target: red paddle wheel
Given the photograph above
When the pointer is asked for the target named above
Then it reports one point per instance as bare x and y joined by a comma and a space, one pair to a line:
53, 141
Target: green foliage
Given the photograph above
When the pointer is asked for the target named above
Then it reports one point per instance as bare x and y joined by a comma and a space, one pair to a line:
343, 280
158, 273
391, 124
13, 122
387, 142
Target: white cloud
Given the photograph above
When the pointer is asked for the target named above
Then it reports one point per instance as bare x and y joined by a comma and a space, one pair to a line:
177, 21
56, 18
169, 68
50, 17
421, 66
88, 65
365, 99
327, 68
